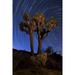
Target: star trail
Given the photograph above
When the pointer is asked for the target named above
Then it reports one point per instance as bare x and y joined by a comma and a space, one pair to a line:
48, 8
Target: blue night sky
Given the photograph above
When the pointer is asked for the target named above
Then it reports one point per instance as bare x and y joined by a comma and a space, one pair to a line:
49, 8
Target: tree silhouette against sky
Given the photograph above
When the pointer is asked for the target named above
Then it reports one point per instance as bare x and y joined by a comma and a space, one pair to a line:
43, 28
37, 24
28, 26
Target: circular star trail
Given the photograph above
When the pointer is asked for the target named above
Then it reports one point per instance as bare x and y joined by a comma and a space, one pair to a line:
49, 8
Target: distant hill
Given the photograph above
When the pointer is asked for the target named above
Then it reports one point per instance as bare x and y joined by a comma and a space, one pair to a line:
22, 63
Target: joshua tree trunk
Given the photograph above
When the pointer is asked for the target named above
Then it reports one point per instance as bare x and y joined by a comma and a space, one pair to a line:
31, 41
39, 42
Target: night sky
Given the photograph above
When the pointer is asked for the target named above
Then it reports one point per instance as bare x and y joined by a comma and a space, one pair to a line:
49, 8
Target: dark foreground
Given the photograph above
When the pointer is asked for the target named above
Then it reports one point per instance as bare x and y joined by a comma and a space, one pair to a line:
22, 64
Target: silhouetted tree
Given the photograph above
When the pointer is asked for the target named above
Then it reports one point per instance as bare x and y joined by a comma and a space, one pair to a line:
43, 28
28, 26
39, 24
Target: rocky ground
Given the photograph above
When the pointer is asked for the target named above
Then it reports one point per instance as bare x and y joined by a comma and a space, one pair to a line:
22, 65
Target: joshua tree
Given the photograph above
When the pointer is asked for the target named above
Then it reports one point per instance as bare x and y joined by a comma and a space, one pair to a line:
28, 26
37, 23
40, 22
43, 27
